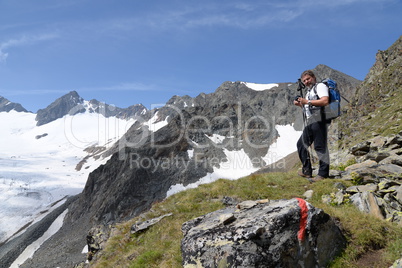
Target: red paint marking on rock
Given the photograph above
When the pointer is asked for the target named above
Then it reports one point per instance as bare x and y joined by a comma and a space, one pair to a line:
303, 218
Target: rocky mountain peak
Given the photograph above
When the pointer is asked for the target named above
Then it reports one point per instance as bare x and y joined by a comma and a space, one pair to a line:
59, 108
72, 103
6, 106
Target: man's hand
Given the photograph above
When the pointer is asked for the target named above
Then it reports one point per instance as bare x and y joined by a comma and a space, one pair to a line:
297, 102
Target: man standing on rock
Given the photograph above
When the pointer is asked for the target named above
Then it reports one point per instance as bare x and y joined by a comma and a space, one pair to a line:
315, 129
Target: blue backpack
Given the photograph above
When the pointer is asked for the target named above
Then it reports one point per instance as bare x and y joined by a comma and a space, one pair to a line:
333, 109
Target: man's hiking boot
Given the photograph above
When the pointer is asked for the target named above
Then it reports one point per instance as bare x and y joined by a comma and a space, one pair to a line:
316, 178
301, 174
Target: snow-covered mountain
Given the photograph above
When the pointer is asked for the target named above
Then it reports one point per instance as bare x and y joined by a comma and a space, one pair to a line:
40, 165
72, 104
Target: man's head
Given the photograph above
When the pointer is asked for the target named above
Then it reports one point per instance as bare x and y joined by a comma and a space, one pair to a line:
308, 78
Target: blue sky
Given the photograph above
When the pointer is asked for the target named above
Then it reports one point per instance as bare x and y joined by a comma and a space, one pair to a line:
125, 52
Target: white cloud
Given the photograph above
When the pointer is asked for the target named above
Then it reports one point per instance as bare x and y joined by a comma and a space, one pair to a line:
24, 40
242, 14
3, 56
27, 40
16, 92
236, 14
130, 86
207, 14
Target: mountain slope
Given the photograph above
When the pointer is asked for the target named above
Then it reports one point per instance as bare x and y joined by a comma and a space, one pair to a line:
375, 108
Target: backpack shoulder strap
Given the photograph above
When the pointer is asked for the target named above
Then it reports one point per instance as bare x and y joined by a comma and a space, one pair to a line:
315, 90
331, 84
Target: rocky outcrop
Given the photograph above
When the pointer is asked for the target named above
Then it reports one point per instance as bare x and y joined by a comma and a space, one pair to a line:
6, 106
280, 233
144, 225
96, 239
383, 78
377, 175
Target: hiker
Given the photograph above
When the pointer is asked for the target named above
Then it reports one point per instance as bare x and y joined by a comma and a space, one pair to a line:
315, 127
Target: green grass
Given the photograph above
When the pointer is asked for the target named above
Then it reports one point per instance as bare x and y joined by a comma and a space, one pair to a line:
159, 246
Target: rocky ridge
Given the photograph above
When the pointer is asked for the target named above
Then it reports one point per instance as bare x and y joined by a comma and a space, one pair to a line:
377, 175
374, 109
60, 107
72, 104
7, 106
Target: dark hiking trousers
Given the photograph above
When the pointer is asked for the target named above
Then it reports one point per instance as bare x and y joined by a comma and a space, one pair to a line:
314, 132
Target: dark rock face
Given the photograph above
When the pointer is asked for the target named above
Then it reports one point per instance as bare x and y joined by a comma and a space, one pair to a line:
282, 233
133, 179
63, 249
378, 178
96, 239
384, 78
6, 106
59, 108
12, 249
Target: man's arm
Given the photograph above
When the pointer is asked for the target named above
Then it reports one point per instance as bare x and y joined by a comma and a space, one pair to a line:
323, 101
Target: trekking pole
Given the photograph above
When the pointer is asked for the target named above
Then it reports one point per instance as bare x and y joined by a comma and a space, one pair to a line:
300, 88
345, 99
